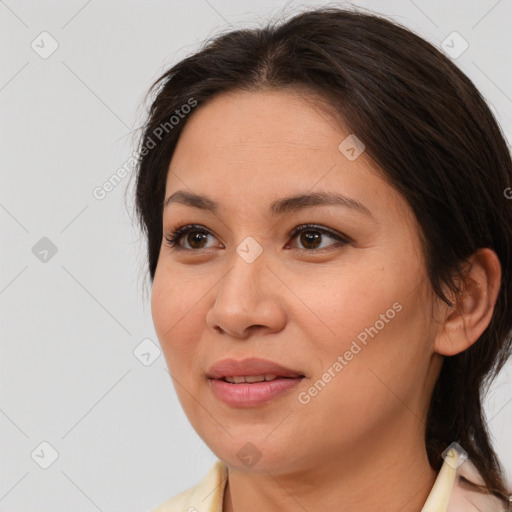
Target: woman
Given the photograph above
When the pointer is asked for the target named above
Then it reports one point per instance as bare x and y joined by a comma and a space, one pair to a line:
329, 246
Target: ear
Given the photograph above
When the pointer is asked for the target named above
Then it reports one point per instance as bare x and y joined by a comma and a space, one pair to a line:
472, 311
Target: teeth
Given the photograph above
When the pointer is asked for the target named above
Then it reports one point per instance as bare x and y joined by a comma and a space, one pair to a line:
251, 378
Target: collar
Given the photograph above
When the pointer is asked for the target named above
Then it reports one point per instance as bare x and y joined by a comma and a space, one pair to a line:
447, 494
439, 496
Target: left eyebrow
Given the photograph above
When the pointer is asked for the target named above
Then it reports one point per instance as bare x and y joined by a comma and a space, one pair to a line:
277, 207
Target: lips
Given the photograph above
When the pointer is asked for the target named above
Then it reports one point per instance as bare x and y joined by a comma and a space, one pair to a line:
251, 367
236, 382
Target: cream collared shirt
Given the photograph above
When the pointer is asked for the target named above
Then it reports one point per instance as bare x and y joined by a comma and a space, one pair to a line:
448, 493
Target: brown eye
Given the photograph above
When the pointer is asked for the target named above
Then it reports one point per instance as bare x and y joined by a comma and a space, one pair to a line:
194, 236
311, 237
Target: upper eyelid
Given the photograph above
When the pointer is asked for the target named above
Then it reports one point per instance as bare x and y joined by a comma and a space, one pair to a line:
340, 237
312, 227
297, 229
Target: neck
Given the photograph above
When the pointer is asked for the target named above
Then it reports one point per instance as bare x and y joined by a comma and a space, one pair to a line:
388, 477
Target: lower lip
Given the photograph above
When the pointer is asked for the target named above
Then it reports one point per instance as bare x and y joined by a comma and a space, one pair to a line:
251, 394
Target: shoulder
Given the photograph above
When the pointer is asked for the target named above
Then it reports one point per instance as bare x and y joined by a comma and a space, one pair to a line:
206, 496
465, 497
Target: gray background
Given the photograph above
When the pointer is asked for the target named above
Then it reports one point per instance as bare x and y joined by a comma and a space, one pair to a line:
71, 321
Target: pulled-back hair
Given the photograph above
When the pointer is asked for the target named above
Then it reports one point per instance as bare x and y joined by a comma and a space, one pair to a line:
432, 136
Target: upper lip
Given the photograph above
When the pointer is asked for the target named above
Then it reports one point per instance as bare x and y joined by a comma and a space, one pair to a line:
250, 366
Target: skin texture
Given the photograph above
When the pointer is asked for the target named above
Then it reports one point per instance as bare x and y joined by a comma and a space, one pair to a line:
358, 445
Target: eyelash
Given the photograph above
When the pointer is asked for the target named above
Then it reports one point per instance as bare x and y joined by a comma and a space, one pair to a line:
174, 236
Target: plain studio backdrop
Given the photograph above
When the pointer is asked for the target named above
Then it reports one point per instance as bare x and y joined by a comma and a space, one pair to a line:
89, 419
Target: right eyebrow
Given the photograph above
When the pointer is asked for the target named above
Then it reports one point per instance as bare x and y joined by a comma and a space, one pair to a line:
277, 207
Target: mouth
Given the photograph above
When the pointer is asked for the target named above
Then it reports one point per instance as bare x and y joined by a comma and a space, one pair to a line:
251, 370
251, 379
253, 394
251, 382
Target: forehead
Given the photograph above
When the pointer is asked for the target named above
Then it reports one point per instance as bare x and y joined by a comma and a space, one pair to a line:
253, 147
269, 133
286, 120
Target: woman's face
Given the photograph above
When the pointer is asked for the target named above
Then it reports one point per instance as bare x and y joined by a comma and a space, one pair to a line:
351, 316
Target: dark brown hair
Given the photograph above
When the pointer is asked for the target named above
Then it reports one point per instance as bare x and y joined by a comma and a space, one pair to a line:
429, 131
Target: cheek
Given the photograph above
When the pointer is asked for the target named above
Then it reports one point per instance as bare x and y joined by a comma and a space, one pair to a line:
386, 359
342, 305
175, 316
174, 309
375, 321
379, 370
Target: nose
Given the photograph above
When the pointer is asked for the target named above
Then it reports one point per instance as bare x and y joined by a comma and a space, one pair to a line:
247, 300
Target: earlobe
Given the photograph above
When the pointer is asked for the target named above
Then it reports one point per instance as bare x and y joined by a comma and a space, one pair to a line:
472, 311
